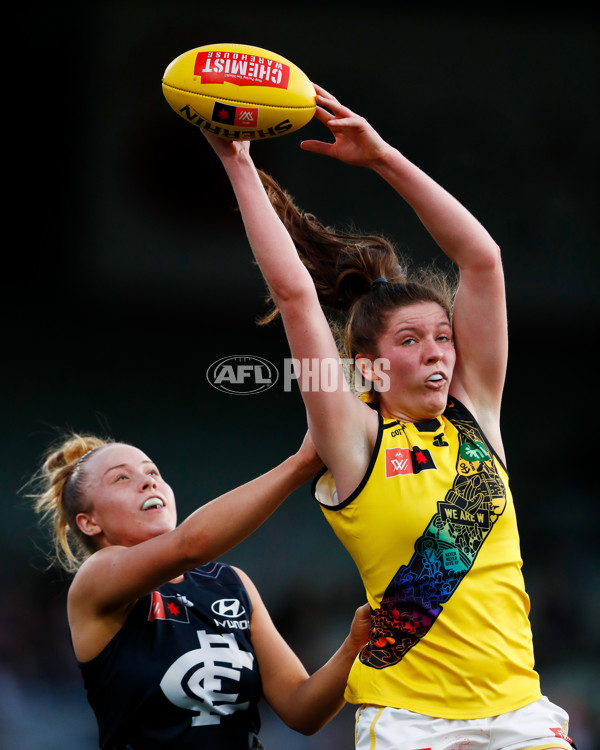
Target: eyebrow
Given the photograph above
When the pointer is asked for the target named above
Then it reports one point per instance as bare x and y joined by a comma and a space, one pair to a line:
411, 325
122, 466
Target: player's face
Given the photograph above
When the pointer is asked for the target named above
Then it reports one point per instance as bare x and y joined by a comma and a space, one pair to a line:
128, 500
417, 342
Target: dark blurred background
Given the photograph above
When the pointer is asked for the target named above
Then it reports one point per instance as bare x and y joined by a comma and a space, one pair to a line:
127, 273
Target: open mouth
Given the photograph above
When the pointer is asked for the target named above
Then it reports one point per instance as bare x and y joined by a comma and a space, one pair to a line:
152, 503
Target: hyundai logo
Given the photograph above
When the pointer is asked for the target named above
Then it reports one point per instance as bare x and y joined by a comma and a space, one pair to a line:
228, 608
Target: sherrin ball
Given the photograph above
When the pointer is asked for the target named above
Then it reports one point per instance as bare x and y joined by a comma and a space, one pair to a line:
239, 92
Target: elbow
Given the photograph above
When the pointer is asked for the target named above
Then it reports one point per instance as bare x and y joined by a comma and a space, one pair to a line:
491, 259
308, 732
494, 256
297, 292
308, 720
295, 304
306, 728
483, 260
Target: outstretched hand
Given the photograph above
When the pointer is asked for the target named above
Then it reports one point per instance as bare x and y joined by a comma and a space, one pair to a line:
356, 141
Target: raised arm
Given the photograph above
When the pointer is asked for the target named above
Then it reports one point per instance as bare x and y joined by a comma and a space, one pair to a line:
342, 427
480, 310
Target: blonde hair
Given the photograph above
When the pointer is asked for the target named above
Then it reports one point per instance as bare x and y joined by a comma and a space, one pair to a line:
58, 497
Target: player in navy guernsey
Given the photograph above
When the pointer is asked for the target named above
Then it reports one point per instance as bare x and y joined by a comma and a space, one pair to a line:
176, 650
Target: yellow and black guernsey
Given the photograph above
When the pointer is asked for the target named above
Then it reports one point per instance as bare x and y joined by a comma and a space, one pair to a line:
433, 532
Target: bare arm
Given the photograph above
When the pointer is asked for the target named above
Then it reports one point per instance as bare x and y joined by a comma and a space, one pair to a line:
342, 427
112, 579
480, 329
479, 316
305, 703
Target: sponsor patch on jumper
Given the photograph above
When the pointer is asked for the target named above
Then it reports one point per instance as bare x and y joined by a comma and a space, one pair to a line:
401, 461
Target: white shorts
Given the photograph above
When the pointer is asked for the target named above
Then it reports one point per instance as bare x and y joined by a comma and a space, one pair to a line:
534, 727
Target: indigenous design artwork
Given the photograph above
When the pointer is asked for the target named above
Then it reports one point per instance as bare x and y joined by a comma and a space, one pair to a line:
443, 555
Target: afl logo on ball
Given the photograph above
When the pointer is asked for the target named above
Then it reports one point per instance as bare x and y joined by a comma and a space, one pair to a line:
228, 608
242, 375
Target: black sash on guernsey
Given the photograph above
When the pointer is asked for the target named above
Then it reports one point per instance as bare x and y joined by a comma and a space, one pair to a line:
414, 597
181, 673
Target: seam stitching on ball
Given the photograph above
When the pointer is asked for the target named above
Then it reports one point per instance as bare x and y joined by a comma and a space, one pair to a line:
236, 101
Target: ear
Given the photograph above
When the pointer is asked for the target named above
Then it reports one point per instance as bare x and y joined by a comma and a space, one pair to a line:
87, 525
365, 364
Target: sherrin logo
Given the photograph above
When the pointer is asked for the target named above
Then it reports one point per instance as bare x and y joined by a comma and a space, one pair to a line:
242, 375
235, 133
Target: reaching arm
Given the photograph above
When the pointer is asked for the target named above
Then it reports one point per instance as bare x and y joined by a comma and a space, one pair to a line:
112, 579
342, 427
305, 703
480, 329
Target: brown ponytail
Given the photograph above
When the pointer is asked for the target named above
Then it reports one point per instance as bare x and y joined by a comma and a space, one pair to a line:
344, 265
59, 497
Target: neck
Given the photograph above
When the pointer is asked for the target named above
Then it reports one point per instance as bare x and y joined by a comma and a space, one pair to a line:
401, 416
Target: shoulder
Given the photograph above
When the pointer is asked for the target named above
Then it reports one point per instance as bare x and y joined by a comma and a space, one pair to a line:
221, 579
259, 610
215, 576
244, 578
92, 573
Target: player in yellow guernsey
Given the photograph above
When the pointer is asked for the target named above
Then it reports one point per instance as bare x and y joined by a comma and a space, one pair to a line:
432, 518
416, 487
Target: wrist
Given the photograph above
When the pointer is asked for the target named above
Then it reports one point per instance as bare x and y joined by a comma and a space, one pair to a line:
384, 159
236, 160
301, 468
351, 647
360, 629
306, 467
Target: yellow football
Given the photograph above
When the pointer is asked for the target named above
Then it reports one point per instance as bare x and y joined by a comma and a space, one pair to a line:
239, 92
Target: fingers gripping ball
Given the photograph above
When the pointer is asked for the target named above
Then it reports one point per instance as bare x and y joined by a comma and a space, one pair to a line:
239, 92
